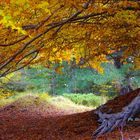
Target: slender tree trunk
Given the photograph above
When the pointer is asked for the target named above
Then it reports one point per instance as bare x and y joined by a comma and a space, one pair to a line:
124, 89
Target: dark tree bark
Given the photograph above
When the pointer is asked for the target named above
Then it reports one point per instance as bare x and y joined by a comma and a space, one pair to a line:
118, 64
126, 89
110, 121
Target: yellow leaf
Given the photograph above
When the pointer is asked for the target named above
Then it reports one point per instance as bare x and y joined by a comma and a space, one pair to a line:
44, 6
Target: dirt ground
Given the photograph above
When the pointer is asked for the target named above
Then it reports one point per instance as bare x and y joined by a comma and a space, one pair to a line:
29, 123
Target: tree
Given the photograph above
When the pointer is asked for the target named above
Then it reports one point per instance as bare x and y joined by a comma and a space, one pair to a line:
118, 63
42, 31
110, 121
46, 30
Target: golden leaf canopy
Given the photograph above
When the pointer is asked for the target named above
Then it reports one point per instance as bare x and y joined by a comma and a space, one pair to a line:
56, 30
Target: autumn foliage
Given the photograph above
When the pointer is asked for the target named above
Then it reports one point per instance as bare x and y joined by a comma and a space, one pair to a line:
55, 30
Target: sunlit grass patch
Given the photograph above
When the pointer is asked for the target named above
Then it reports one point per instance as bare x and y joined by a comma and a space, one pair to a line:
43, 101
89, 99
10, 99
64, 103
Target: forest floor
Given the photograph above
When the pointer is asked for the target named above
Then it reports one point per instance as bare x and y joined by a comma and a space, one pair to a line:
32, 123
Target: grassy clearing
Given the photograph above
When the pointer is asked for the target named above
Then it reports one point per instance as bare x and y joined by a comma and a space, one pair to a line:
64, 103
43, 100
77, 102
89, 100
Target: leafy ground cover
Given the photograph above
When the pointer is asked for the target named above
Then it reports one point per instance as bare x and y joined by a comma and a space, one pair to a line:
36, 121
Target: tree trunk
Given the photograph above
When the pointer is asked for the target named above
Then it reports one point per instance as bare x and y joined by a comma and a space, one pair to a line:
124, 89
110, 121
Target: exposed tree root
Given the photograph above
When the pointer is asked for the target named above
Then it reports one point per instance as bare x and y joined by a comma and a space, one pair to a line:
110, 121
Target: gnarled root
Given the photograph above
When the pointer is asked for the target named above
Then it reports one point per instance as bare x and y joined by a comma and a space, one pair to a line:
110, 121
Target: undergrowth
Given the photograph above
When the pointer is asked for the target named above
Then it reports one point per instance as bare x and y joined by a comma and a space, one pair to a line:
89, 99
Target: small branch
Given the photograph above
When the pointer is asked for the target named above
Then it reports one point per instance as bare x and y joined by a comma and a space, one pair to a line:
15, 42
8, 71
41, 23
32, 52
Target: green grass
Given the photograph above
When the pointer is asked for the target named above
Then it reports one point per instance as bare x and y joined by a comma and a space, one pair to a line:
66, 104
89, 99
77, 102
